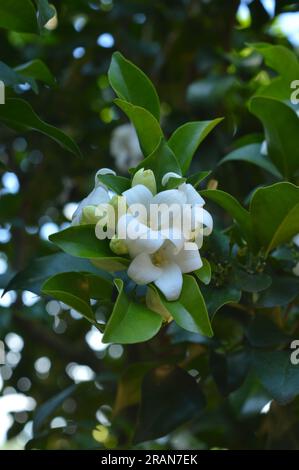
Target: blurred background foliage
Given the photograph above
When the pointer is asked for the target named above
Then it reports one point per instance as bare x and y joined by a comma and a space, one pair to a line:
198, 54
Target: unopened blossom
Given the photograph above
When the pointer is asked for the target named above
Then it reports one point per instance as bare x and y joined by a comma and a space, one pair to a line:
125, 148
86, 210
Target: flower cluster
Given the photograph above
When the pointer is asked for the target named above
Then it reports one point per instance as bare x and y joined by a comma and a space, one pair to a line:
161, 248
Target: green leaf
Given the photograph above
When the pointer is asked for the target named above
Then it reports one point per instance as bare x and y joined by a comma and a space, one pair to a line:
38, 70
11, 78
281, 124
118, 184
18, 15
186, 139
197, 178
279, 58
132, 85
204, 273
190, 311
285, 63
262, 332
248, 282
174, 182
233, 207
46, 409
229, 371
147, 127
283, 290
161, 161
217, 297
275, 214
162, 410
129, 386
252, 154
40, 269
81, 241
277, 374
18, 114
130, 322
76, 290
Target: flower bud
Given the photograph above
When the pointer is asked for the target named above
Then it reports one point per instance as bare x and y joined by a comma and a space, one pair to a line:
118, 246
89, 215
119, 205
147, 178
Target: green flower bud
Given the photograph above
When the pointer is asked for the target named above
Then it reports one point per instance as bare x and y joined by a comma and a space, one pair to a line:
118, 246
119, 205
147, 178
88, 215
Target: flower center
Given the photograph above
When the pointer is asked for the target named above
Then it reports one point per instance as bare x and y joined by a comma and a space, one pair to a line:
159, 258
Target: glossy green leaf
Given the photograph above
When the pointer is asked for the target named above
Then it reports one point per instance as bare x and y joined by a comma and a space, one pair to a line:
197, 178
252, 154
81, 241
40, 269
12, 78
132, 85
129, 386
38, 70
18, 114
130, 322
277, 374
283, 290
162, 160
281, 124
275, 214
118, 184
262, 332
186, 139
204, 273
229, 371
18, 15
147, 127
76, 290
249, 282
162, 410
279, 58
233, 207
217, 297
285, 63
190, 311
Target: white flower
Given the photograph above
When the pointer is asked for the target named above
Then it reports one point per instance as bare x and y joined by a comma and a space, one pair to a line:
99, 195
125, 148
162, 252
165, 267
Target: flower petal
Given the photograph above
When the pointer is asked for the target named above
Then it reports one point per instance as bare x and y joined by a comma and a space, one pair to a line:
169, 196
139, 194
138, 237
192, 196
142, 270
188, 259
98, 195
170, 281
